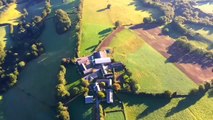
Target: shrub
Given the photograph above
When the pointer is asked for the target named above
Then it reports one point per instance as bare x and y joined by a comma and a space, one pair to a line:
21, 64
117, 24
85, 83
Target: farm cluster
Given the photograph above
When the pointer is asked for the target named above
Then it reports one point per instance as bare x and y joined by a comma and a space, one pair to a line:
99, 70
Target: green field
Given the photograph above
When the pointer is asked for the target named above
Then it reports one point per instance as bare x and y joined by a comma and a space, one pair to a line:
34, 95
11, 15
114, 116
97, 20
207, 8
148, 67
198, 107
81, 111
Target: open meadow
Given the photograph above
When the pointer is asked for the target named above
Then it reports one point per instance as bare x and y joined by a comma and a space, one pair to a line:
198, 107
98, 20
148, 67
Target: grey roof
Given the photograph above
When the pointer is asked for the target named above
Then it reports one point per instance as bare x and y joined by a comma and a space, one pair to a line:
102, 60
109, 96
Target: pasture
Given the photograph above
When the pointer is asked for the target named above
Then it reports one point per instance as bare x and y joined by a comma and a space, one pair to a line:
81, 111
114, 116
198, 107
97, 20
10, 15
148, 67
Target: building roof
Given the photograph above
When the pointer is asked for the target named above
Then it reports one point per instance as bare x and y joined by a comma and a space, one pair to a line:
109, 96
97, 87
102, 60
89, 99
100, 54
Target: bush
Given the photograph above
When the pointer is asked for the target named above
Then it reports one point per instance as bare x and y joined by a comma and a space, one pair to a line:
117, 24
85, 83
75, 91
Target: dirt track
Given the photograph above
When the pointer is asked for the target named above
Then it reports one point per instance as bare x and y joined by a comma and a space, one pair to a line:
109, 38
161, 43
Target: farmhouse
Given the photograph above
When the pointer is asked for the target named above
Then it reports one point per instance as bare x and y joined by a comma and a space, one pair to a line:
98, 69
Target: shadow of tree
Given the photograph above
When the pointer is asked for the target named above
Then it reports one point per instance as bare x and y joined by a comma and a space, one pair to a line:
185, 103
105, 32
153, 103
210, 93
144, 26
91, 48
101, 10
179, 55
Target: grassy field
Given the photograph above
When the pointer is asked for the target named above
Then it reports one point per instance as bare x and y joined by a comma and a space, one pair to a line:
11, 15
81, 111
151, 108
148, 67
207, 8
33, 97
203, 30
4, 37
97, 20
114, 116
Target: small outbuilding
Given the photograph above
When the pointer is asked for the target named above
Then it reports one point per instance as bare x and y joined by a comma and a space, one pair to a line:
89, 99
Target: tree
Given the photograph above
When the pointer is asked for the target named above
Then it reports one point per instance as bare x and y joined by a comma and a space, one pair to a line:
62, 112
21, 64
108, 6
103, 84
62, 21
117, 86
25, 13
62, 91
101, 94
84, 82
117, 24
13, 79
37, 19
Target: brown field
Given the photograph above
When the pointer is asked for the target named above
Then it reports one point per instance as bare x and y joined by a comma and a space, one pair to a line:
161, 43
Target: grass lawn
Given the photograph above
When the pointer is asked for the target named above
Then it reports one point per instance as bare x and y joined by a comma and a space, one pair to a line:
34, 95
115, 116
81, 111
152, 108
11, 15
97, 20
148, 67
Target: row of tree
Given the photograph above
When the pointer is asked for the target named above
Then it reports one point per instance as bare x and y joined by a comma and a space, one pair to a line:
27, 31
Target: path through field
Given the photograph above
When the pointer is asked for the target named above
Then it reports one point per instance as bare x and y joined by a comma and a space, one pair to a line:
161, 43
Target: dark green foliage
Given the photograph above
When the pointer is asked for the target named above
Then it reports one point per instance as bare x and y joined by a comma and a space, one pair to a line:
117, 24
62, 21
75, 91
101, 94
